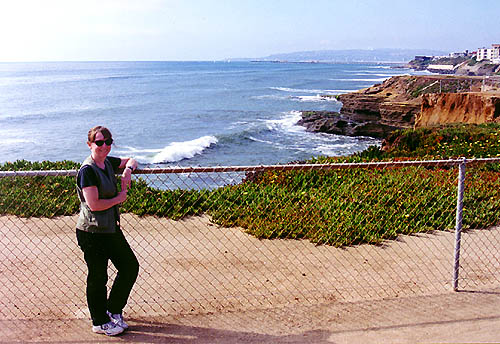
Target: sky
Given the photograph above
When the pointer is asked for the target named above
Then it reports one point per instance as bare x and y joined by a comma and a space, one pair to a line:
182, 30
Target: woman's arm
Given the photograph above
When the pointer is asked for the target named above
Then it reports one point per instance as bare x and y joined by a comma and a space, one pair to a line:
129, 165
126, 162
91, 195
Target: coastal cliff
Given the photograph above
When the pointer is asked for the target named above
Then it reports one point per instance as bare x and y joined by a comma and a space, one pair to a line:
403, 102
389, 103
471, 108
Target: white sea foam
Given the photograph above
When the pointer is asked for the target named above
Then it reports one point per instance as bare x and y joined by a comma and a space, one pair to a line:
314, 99
286, 123
14, 141
375, 73
142, 155
362, 79
308, 91
287, 135
296, 90
253, 138
335, 92
238, 124
269, 96
49, 79
380, 67
318, 95
334, 149
175, 151
133, 150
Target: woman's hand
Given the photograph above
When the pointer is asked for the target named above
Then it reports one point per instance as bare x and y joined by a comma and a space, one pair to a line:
129, 165
121, 196
126, 179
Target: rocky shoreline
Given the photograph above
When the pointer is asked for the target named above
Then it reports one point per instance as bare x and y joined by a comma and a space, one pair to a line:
400, 101
339, 124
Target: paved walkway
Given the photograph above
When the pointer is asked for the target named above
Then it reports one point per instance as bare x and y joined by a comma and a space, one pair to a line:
461, 317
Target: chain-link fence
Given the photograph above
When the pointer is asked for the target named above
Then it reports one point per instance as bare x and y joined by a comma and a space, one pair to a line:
458, 84
491, 84
252, 237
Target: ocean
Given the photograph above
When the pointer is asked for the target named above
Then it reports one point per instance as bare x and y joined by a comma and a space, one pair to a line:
177, 113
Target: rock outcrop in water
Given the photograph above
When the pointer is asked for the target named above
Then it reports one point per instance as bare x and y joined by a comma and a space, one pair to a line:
405, 101
336, 123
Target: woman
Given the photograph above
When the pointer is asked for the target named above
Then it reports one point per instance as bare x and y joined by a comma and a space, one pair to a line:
99, 234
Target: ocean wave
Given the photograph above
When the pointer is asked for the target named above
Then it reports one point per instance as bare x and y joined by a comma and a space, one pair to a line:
264, 130
56, 79
291, 136
375, 73
174, 152
238, 124
288, 122
270, 96
13, 81
15, 141
307, 91
380, 67
33, 116
319, 97
332, 145
335, 92
61, 112
329, 149
313, 99
297, 90
177, 151
362, 79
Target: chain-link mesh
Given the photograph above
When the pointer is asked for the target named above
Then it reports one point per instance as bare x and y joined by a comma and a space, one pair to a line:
251, 237
458, 84
490, 84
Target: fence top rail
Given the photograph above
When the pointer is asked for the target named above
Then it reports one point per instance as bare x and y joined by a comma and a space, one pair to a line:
39, 173
261, 168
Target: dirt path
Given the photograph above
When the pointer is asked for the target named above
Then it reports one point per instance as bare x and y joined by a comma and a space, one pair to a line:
200, 283
463, 317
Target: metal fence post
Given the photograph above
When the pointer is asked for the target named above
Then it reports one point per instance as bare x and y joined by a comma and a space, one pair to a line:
458, 222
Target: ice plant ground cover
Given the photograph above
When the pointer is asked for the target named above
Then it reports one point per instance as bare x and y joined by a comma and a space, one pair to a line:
332, 207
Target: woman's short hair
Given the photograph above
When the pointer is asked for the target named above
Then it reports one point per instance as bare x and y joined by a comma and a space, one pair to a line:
99, 129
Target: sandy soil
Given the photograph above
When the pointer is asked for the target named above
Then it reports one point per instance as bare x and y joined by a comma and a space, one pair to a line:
200, 283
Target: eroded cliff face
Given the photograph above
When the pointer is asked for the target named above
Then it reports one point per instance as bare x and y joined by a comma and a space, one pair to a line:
397, 102
471, 108
387, 104
407, 101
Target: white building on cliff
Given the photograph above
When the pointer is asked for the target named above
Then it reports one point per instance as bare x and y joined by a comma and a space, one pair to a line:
492, 54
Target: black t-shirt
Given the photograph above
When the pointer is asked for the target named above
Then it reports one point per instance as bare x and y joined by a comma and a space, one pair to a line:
87, 177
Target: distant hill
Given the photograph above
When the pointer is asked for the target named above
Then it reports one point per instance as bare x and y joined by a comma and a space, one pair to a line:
352, 55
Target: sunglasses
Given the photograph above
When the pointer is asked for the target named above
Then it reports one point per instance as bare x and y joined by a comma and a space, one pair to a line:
108, 142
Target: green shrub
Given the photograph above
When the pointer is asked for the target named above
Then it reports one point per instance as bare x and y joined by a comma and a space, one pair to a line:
38, 196
451, 141
345, 207
44, 196
332, 207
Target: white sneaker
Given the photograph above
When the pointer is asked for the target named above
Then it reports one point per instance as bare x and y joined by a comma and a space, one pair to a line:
117, 319
109, 329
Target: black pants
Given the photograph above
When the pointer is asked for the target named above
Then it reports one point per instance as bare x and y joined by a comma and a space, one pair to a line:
98, 248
